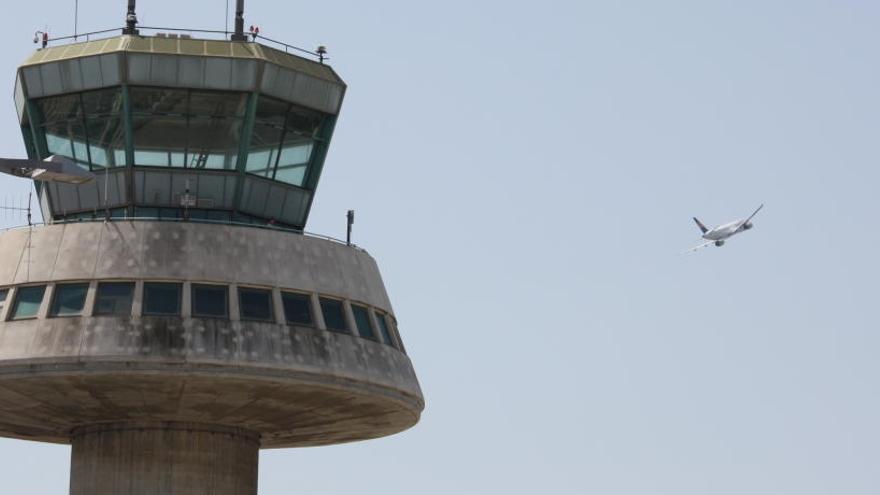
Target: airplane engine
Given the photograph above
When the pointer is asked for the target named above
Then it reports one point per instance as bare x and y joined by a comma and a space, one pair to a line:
747, 226
719, 243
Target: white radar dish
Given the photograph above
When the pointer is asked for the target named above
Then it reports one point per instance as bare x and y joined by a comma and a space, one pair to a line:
53, 169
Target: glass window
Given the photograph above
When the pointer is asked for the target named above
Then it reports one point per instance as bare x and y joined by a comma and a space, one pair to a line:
255, 304
334, 315
187, 128
282, 141
362, 320
297, 308
3, 294
86, 127
161, 298
69, 299
210, 301
27, 302
114, 298
383, 329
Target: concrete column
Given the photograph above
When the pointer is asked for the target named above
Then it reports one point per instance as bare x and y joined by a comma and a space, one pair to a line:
163, 458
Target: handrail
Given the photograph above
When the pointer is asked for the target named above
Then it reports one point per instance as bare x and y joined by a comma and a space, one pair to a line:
225, 34
191, 220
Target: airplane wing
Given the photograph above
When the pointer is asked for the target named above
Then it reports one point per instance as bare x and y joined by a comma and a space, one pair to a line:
753, 214
697, 248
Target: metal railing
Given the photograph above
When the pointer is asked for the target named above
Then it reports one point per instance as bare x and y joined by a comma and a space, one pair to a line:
190, 220
109, 33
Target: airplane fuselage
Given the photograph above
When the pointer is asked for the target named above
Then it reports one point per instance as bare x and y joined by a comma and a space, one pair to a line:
722, 232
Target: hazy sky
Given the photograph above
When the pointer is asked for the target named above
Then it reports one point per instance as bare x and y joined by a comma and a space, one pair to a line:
524, 174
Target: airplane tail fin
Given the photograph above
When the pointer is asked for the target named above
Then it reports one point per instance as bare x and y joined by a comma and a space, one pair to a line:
701, 226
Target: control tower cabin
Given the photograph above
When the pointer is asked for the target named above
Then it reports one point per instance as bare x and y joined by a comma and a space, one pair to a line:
171, 318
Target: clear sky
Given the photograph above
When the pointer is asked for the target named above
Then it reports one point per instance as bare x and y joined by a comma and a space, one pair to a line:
524, 174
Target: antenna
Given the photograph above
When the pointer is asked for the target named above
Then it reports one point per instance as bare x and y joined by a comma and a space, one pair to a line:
350, 217
18, 208
131, 19
239, 22
75, 18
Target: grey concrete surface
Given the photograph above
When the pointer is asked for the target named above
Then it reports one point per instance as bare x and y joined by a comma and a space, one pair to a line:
289, 385
163, 458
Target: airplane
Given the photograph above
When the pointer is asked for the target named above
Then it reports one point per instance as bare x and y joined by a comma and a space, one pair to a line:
721, 233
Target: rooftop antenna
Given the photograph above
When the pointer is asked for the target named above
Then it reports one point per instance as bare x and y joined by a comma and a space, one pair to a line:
350, 217
75, 19
131, 19
239, 22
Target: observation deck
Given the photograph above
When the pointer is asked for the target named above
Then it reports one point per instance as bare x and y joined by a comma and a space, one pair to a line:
211, 129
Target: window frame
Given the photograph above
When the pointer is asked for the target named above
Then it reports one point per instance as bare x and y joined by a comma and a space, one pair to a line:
308, 299
240, 290
355, 307
345, 330
192, 297
384, 328
52, 313
147, 284
17, 298
95, 305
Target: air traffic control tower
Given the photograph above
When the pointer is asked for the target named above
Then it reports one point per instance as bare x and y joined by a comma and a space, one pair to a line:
171, 318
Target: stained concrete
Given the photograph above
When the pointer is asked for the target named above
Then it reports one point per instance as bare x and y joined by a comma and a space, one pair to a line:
289, 385
163, 458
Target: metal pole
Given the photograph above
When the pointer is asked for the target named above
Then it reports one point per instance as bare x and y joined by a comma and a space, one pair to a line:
350, 217
130, 19
239, 22
75, 19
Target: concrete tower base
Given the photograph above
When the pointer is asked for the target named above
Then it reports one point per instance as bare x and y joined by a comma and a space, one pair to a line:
163, 458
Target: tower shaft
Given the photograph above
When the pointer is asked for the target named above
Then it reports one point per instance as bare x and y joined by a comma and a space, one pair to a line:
150, 458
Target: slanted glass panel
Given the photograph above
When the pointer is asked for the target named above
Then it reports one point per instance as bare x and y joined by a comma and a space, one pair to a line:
334, 315
68, 138
69, 299
3, 294
86, 127
362, 320
187, 128
114, 298
213, 142
162, 298
297, 308
383, 329
255, 304
27, 302
106, 141
282, 141
210, 301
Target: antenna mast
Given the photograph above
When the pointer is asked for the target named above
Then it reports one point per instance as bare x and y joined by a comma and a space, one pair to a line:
239, 22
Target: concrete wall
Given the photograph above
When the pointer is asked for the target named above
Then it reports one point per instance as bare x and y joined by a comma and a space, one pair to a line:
191, 252
290, 385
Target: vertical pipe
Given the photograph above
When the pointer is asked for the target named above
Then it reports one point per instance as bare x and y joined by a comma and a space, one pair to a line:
130, 19
239, 22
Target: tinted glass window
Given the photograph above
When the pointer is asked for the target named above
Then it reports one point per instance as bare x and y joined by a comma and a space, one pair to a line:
362, 320
3, 293
161, 298
69, 299
297, 308
334, 316
27, 302
255, 304
210, 301
114, 298
383, 329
